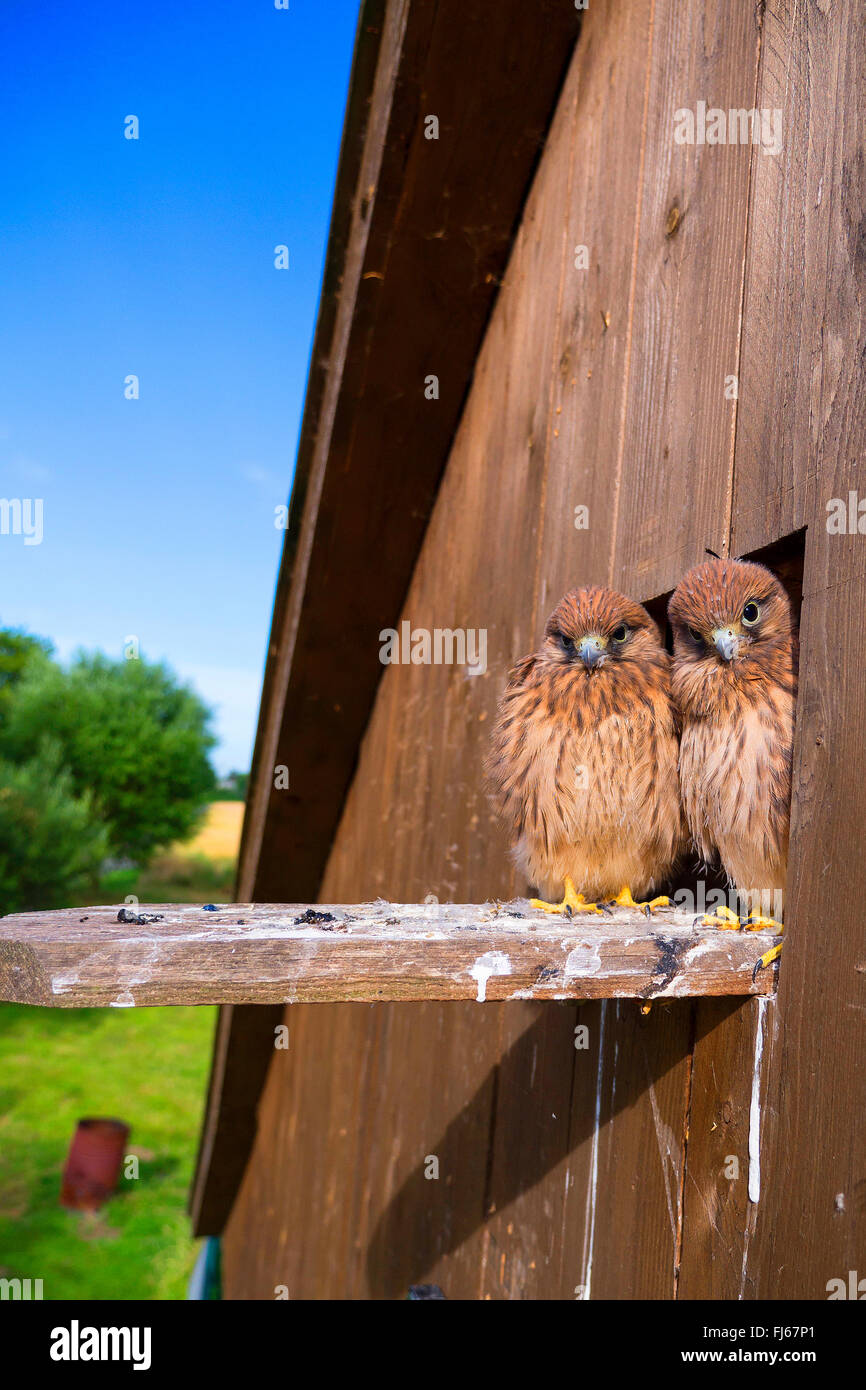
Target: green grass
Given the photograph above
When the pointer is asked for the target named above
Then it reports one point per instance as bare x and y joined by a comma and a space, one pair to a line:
147, 1067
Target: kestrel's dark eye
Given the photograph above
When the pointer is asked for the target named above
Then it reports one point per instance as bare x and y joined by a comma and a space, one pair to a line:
567, 642
620, 634
751, 613
698, 636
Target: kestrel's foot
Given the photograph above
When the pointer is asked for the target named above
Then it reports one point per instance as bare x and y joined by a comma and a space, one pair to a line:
774, 952
727, 920
723, 918
571, 903
625, 899
755, 922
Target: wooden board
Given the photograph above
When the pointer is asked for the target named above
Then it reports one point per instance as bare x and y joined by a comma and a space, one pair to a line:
279, 953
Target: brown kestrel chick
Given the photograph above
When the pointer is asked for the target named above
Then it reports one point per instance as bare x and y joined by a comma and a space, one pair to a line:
735, 684
583, 763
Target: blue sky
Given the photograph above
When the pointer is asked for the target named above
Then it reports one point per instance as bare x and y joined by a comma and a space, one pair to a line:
155, 257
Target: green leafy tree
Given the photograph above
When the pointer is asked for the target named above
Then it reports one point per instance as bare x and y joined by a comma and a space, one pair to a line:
18, 651
51, 844
132, 738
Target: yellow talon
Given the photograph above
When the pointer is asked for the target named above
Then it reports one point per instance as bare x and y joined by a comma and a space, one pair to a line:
768, 957
723, 918
758, 923
726, 920
625, 899
754, 924
572, 902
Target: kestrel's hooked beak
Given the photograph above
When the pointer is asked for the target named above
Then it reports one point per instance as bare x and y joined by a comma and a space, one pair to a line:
591, 650
727, 642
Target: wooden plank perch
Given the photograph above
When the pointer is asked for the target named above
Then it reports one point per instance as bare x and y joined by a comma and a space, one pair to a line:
269, 954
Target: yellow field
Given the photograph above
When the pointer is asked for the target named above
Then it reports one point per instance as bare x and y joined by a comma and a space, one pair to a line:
201, 869
220, 834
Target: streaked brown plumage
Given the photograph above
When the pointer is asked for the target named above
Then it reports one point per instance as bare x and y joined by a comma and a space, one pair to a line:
735, 684
583, 763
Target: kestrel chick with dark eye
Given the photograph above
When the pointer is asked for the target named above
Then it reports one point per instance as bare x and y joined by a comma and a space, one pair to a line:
583, 763
735, 684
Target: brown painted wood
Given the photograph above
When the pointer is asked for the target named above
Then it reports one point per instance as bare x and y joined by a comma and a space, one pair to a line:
645, 1065
673, 466
801, 313
718, 1218
588, 370
267, 954
677, 440
436, 1087
544, 1142
485, 574
243, 1054
326, 1073
808, 259
800, 442
531, 1159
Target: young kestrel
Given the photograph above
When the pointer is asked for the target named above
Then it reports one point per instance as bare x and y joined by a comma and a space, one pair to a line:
583, 763
735, 684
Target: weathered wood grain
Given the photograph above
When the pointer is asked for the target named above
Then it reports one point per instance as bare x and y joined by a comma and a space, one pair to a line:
801, 430
729, 1062
672, 464
801, 378
267, 954
243, 1049
539, 1229
588, 371
676, 454
436, 1074
811, 1222
536, 1150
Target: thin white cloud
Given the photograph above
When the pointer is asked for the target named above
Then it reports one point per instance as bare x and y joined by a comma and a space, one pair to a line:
263, 477
29, 469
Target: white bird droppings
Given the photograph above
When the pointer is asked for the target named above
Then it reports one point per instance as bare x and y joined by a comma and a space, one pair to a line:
491, 963
755, 1110
123, 1001
582, 960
